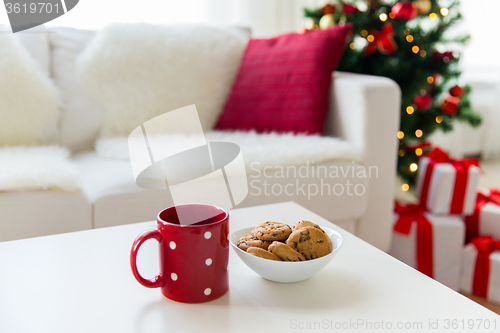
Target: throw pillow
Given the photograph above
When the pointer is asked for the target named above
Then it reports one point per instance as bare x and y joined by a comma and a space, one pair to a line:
28, 98
81, 116
283, 82
139, 71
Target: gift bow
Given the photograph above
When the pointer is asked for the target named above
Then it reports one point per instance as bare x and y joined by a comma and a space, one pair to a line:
383, 41
440, 156
425, 248
461, 166
485, 245
472, 221
494, 197
422, 145
407, 214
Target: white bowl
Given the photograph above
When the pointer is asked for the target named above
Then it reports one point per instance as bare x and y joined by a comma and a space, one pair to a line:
282, 271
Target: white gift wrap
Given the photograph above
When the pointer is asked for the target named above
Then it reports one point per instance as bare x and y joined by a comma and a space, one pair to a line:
469, 254
442, 184
448, 239
489, 218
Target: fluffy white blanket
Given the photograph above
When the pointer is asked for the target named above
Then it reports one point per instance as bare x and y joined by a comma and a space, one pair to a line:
267, 149
37, 168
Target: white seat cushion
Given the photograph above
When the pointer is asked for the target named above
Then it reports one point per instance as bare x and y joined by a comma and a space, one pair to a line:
109, 185
40, 213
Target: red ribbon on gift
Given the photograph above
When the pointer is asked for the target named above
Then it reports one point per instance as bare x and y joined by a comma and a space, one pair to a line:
485, 245
408, 214
461, 166
383, 41
472, 221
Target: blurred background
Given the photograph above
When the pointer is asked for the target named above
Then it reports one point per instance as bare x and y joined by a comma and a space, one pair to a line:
268, 18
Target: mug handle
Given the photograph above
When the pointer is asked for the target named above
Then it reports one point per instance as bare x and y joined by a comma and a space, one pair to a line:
157, 280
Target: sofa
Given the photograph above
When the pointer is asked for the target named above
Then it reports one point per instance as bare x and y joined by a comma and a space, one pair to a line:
359, 132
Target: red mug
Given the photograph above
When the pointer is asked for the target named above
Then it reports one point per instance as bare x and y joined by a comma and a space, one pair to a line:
193, 255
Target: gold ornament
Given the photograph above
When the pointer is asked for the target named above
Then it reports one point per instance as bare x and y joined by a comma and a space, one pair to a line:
423, 6
309, 23
326, 21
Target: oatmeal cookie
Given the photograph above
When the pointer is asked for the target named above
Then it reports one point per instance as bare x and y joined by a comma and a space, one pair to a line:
272, 231
305, 223
285, 252
251, 241
261, 253
312, 243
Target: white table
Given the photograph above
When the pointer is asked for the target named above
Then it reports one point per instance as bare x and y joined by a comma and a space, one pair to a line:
81, 282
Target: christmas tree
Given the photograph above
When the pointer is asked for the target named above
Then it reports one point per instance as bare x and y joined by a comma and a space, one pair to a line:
409, 42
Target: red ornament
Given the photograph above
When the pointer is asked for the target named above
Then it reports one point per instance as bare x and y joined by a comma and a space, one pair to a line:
329, 9
383, 41
450, 105
349, 9
423, 102
404, 11
457, 91
444, 57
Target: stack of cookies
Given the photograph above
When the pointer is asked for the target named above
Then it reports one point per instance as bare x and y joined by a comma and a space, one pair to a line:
277, 241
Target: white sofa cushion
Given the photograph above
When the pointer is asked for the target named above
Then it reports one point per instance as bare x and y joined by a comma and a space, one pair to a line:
28, 98
81, 116
139, 71
109, 185
41, 213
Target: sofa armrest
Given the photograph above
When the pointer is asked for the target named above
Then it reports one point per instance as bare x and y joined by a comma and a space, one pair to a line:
365, 111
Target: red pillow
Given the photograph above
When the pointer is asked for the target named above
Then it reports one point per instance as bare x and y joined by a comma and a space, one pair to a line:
282, 84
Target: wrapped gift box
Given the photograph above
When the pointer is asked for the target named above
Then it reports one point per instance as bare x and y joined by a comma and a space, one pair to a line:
486, 217
481, 268
430, 243
446, 185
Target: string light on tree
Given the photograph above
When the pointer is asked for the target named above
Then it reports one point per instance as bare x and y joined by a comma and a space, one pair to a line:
415, 49
370, 38
419, 151
419, 133
413, 167
410, 109
383, 17
401, 135
405, 187
430, 80
409, 38
401, 152
439, 119
444, 11
433, 16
